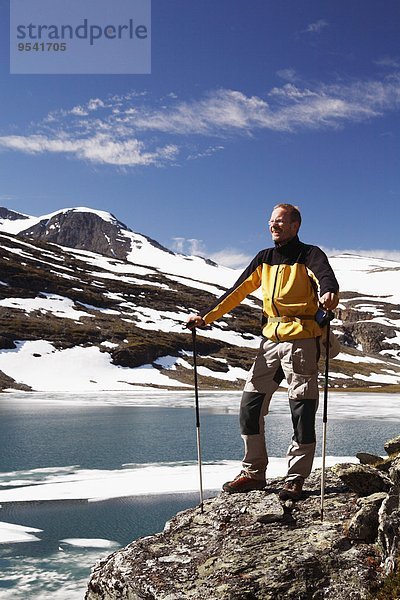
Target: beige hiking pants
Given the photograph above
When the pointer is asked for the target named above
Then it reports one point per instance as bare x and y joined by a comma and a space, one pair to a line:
296, 361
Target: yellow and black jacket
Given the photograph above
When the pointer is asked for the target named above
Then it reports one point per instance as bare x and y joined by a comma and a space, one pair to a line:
291, 276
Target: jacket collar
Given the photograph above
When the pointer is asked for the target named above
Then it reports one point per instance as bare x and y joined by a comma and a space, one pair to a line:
287, 247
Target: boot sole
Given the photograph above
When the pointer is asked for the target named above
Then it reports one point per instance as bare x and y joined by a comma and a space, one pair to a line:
226, 488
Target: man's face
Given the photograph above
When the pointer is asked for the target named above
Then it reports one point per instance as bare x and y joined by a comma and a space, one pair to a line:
280, 226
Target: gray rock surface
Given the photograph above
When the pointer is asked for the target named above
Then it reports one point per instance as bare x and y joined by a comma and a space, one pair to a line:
389, 530
392, 446
394, 471
8, 383
364, 524
364, 480
252, 546
248, 546
83, 230
366, 458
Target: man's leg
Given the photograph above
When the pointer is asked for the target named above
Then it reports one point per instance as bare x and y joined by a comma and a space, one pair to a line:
302, 449
263, 379
253, 408
301, 371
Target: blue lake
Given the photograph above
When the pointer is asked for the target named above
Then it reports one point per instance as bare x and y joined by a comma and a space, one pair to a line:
65, 442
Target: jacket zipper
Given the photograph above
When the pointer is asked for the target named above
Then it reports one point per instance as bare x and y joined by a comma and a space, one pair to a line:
273, 303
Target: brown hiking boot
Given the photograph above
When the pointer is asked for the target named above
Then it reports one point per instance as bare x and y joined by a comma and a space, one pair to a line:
243, 483
292, 490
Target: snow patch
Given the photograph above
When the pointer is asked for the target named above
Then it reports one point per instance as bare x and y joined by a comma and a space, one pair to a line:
12, 534
378, 378
42, 367
59, 306
141, 480
233, 374
90, 543
358, 359
354, 273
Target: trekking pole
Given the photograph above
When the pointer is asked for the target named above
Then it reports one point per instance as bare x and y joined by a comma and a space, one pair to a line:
196, 395
329, 316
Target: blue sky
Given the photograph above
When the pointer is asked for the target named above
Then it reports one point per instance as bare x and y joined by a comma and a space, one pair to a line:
249, 103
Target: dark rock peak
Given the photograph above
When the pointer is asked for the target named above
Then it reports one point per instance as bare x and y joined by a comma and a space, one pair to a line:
83, 231
11, 215
210, 262
88, 230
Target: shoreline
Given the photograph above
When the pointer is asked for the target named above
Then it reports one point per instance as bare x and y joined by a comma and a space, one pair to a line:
341, 405
390, 389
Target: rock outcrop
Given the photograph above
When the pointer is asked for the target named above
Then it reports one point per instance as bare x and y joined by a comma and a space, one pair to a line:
358, 329
8, 383
251, 546
82, 230
11, 215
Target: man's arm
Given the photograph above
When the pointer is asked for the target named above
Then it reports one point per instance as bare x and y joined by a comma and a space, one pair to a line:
247, 283
321, 272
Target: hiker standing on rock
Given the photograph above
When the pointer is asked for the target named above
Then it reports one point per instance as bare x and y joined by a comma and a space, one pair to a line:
296, 279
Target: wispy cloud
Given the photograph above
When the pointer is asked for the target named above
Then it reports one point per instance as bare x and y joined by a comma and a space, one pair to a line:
191, 246
288, 74
228, 257
231, 257
7, 198
316, 27
392, 62
178, 244
97, 149
206, 152
138, 130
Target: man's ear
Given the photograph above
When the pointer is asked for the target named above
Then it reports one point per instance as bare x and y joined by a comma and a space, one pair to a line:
297, 226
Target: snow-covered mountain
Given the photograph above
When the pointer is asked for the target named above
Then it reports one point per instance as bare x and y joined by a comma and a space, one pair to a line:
87, 304
98, 231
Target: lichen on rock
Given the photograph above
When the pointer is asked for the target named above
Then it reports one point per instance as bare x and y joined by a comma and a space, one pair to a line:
252, 546
241, 547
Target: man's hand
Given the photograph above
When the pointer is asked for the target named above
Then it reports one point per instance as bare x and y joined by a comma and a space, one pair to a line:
195, 321
329, 301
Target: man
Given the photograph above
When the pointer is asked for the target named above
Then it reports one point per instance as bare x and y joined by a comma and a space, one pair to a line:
296, 280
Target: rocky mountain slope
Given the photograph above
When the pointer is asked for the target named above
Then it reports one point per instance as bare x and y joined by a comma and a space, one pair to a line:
87, 304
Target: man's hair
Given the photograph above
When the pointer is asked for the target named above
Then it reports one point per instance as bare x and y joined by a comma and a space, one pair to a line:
294, 212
